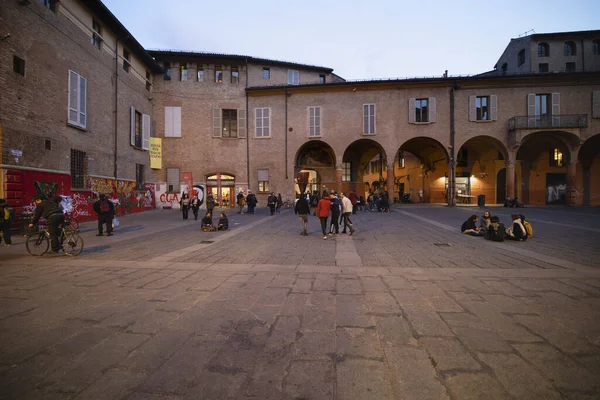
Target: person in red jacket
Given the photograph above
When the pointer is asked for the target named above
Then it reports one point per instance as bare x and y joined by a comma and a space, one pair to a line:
323, 209
354, 199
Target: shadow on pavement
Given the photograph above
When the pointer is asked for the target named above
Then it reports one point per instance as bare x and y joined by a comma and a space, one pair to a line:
95, 249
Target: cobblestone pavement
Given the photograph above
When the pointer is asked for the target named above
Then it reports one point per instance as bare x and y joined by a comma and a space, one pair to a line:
408, 308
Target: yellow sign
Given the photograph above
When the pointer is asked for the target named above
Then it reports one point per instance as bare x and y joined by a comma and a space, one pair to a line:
155, 153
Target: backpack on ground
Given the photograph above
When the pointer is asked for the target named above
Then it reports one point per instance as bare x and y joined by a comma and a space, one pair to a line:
528, 228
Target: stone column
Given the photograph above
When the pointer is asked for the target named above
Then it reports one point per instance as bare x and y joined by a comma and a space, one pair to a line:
451, 193
525, 172
571, 182
510, 179
390, 182
338, 178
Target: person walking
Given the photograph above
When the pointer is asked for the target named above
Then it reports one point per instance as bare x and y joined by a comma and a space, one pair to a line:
54, 217
210, 203
354, 201
279, 203
314, 202
272, 203
347, 212
302, 209
323, 211
251, 201
105, 210
334, 226
7, 215
195, 206
241, 201
185, 205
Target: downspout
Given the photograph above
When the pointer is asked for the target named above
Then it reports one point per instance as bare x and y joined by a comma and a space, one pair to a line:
286, 133
452, 175
116, 101
247, 132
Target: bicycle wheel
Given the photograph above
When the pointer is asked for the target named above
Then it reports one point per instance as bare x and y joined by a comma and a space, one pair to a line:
37, 244
72, 244
72, 225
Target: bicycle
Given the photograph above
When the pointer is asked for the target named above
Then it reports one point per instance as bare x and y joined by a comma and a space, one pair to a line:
71, 223
38, 243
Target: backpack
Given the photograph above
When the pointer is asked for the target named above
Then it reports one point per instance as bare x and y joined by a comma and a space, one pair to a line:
104, 207
9, 213
497, 235
528, 228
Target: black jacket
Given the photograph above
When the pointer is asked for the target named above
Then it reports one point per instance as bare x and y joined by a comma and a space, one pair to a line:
207, 220
251, 199
468, 224
44, 210
98, 207
335, 206
224, 222
272, 201
301, 206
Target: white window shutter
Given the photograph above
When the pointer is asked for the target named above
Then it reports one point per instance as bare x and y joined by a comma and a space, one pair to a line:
258, 123
217, 122
145, 132
132, 133
241, 124
168, 121
176, 121
472, 108
432, 109
73, 81
596, 105
412, 110
262, 175
556, 104
493, 107
373, 119
82, 101
531, 104
318, 121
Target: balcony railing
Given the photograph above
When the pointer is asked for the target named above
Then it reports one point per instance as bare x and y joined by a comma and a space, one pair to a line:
548, 121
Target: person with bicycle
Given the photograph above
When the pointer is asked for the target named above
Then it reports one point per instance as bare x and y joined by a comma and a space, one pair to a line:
54, 217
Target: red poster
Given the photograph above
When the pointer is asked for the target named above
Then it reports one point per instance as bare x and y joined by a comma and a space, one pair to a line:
187, 179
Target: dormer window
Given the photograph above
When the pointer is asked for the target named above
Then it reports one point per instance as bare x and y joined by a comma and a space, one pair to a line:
521, 58
543, 50
570, 49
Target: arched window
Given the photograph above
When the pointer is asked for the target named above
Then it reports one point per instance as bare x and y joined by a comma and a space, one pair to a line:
504, 68
543, 50
596, 47
521, 58
570, 48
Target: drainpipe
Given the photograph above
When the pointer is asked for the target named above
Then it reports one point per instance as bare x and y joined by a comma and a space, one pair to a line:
286, 132
247, 132
116, 100
452, 169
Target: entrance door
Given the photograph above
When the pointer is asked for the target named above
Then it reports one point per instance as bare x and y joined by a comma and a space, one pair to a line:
501, 186
226, 199
556, 188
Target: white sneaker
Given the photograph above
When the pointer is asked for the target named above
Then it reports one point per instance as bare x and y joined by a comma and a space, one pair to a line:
324, 237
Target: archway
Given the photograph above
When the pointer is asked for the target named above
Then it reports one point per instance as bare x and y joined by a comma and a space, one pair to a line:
544, 158
314, 167
480, 170
589, 160
421, 171
364, 160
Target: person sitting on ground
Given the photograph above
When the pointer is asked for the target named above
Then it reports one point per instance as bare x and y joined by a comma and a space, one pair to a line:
516, 231
495, 230
485, 221
527, 225
207, 223
469, 227
223, 223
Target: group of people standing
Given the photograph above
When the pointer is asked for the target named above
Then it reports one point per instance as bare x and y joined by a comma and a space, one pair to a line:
491, 228
249, 200
329, 205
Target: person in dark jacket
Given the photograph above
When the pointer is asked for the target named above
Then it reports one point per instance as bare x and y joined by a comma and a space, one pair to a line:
185, 205
334, 226
251, 201
272, 203
303, 210
207, 223
323, 211
105, 210
54, 220
223, 224
195, 206
279, 204
7, 215
241, 202
210, 202
516, 231
495, 230
469, 227
314, 202
354, 201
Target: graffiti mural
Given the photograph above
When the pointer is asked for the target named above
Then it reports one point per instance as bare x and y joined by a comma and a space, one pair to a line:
171, 200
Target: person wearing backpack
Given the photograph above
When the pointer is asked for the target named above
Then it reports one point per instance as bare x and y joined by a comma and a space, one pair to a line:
314, 202
517, 231
527, 225
495, 230
105, 210
7, 215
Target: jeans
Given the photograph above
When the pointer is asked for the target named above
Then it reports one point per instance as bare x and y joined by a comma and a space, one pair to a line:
323, 225
251, 209
185, 210
334, 225
55, 224
347, 222
195, 211
5, 230
105, 219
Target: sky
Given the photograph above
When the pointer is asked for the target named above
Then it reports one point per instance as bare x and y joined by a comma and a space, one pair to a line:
368, 39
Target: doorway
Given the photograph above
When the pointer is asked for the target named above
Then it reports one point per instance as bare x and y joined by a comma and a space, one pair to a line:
556, 189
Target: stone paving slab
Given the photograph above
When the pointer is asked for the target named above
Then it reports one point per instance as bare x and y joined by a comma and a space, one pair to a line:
272, 315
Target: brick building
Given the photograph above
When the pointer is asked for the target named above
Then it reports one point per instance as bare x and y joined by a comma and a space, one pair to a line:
75, 106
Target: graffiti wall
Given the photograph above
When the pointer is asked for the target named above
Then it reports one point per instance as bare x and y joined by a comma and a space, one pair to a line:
171, 200
23, 186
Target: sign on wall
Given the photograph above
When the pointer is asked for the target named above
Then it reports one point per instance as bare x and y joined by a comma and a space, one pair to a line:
155, 153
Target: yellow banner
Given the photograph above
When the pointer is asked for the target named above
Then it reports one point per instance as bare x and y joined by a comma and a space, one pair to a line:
155, 153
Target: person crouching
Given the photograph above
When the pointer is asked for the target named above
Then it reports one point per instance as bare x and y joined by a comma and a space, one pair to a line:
516, 231
223, 223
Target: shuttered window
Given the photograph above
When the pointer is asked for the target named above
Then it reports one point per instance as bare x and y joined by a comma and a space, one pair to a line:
140, 129
421, 110
229, 123
173, 180
314, 123
263, 122
77, 100
293, 77
263, 180
172, 121
483, 108
369, 119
